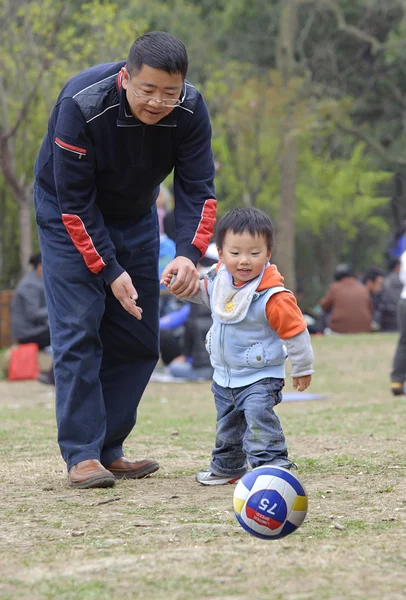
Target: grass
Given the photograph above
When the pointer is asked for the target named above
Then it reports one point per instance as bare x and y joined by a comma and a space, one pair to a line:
167, 537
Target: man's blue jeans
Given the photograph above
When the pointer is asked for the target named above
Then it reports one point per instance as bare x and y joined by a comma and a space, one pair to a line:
247, 427
103, 356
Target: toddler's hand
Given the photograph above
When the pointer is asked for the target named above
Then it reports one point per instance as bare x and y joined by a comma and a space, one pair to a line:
168, 280
301, 383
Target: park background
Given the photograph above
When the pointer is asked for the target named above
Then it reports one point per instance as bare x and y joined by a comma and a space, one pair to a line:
307, 101
168, 538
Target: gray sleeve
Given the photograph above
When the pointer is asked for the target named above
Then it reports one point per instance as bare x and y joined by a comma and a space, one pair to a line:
34, 309
202, 297
41, 315
300, 353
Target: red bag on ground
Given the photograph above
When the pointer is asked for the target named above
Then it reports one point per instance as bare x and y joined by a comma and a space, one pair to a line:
23, 363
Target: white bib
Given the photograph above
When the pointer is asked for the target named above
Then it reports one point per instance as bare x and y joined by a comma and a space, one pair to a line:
228, 303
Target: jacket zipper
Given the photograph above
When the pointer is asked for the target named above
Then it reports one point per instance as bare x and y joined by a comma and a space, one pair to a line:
142, 141
222, 336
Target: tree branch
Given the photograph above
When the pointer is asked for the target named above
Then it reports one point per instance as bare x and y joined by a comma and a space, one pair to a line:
373, 144
376, 45
301, 40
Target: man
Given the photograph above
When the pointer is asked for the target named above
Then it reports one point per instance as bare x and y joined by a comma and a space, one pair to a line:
373, 280
116, 132
398, 374
29, 314
348, 303
389, 297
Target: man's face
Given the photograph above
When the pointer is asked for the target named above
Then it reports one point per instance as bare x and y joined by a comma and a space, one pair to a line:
374, 287
146, 90
377, 285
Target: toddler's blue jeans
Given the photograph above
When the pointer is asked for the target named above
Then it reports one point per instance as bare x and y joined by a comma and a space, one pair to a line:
247, 427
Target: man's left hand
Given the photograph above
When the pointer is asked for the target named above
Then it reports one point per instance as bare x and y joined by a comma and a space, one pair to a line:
187, 278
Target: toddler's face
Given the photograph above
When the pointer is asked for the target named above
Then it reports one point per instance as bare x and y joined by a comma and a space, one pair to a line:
244, 255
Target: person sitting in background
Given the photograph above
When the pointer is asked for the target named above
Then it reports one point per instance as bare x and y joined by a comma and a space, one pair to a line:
313, 316
373, 281
389, 297
172, 331
193, 361
29, 315
348, 302
163, 205
167, 252
169, 224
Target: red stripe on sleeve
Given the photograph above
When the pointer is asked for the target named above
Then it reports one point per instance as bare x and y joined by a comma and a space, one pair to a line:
83, 242
205, 229
70, 146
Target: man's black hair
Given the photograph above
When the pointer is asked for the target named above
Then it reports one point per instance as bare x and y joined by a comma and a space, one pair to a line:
372, 274
158, 50
35, 260
239, 220
342, 270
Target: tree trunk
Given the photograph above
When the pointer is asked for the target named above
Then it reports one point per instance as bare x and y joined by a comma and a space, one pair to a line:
246, 198
24, 220
286, 229
327, 259
285, 242
22, 194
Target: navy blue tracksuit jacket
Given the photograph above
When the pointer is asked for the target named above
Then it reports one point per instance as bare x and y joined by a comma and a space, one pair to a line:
98, 173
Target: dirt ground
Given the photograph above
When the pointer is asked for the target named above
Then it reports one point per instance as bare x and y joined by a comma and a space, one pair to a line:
168, 537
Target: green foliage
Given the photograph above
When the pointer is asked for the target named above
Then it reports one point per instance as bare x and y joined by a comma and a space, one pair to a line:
336, 196
339, 210
341, 194
46, 42
249, 120
8, 240
64, 38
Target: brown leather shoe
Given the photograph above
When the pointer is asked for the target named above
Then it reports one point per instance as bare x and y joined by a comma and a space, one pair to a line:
124, 468
90, 474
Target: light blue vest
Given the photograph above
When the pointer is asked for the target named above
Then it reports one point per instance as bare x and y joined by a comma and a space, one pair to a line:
244, 352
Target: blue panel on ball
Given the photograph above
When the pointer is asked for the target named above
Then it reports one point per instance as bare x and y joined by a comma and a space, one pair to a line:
286, 530
282, 474
249, 479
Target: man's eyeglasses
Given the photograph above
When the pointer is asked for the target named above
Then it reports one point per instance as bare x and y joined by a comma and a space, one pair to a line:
169, 102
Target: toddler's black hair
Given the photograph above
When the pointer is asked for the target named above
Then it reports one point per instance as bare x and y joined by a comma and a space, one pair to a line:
239, 220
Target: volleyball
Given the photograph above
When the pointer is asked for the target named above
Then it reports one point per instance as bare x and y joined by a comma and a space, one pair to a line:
270, 502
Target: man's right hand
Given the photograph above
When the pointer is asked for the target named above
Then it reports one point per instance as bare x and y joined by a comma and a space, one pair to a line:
126, 294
